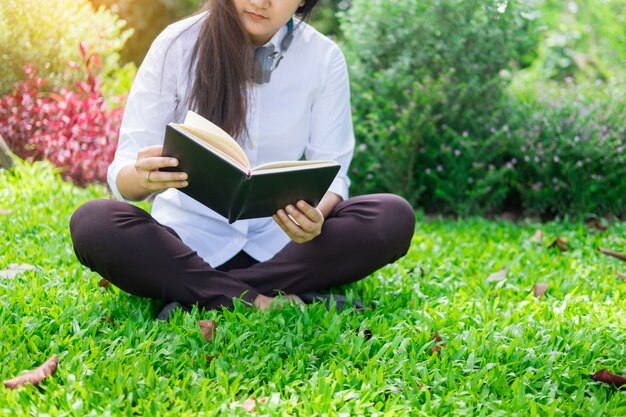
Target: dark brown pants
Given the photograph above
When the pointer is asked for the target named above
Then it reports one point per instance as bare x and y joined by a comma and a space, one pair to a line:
125, 245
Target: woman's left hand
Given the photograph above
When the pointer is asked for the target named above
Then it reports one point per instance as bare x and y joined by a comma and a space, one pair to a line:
301, 222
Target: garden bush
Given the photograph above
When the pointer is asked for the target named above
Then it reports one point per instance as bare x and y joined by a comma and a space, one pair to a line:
566, 150
325, 18
46, 34
584, 40
437, 122
72, 128
420, 71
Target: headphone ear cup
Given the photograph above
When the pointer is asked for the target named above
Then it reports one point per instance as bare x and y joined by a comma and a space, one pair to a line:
263, 62
265, 59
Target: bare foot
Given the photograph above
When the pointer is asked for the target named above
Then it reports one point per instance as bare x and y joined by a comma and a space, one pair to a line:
263, 302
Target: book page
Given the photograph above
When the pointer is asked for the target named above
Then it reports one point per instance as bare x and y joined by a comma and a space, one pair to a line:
214, 136
292, 165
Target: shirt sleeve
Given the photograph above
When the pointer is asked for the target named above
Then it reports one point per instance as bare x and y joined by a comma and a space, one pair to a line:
151, 105
332, 134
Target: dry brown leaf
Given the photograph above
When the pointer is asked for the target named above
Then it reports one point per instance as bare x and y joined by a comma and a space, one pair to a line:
609, 378
561, 243
537, 237
540, 289
209, 328
596, 224
438, 343
621, 276
103, 283
13, 269
36, 376
613, 253
497, 276
249, 405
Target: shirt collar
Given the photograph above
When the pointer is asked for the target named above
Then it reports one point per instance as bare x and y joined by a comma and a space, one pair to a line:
278, 38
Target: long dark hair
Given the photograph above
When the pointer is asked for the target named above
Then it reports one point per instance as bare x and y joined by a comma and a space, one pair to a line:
221, 63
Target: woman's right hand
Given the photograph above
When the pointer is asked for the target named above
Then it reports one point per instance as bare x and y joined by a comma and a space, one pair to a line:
147, 165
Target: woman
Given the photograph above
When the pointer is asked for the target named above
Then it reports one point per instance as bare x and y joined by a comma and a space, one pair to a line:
184, 252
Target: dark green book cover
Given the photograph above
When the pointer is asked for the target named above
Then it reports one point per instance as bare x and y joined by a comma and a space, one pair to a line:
237, 193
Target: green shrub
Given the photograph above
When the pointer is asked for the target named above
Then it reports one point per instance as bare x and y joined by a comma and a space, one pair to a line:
569, 149
437, 121
426, 75
409, 149
46, 34
584, 40
325, 18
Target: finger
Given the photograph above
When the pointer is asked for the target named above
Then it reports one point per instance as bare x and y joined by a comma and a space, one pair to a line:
161, 186
311, 212
282, 225
149, 151
166, 177
174, 184
154, 163
294, 231
290, 223
301, 219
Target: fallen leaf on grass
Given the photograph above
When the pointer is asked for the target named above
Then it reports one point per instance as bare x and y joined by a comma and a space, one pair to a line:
621, 276
438, 343
613, 253
14, 269
561, 243
609, 378
36, 376
537, 237
540, 289
208, 327
249, 405
103, 283
597, 225
497, 276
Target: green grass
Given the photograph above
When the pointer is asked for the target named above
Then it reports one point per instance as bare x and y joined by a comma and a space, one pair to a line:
506, 353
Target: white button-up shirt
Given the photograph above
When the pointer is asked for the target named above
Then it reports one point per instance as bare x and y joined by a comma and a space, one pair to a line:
303, 110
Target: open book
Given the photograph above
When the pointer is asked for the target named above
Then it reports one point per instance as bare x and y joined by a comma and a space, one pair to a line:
220, 176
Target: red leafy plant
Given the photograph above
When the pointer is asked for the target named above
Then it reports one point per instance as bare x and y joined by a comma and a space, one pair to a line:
71, 127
